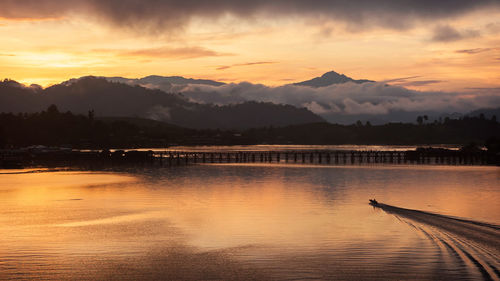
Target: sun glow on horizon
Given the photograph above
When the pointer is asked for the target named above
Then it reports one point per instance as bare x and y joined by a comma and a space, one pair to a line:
271, 51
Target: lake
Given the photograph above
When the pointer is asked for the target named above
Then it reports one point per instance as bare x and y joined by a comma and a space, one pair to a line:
250, 221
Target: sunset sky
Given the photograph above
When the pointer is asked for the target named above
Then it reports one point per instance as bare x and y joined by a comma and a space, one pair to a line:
436, 45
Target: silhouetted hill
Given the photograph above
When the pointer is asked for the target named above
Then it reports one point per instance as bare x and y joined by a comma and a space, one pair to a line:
328, 79
15, 97
487, 112
121, 100
53, 127
252, 114
139, 122
108, 98
460, 131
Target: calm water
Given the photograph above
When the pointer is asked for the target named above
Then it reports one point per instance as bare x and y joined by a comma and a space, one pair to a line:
241, 222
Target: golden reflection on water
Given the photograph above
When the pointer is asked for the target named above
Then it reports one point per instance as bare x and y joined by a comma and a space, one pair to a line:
39, 188
262, 214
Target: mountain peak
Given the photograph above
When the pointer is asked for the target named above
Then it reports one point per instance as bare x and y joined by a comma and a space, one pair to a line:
333, 74
330, 78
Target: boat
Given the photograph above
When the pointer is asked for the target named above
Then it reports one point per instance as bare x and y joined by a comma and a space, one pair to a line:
373, 202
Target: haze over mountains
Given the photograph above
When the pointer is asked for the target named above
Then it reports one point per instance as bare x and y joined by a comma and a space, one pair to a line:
112, 99
202, 103
164, 83
335, 97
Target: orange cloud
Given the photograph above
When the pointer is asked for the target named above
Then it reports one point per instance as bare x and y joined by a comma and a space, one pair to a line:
223, 67
28, 19
166, 52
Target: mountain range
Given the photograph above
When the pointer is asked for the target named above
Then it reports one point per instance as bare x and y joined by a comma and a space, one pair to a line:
154, 97
204, 103
112, 99
168, 83
164, 83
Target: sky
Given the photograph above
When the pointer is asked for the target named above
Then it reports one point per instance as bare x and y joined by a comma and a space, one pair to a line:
424, 45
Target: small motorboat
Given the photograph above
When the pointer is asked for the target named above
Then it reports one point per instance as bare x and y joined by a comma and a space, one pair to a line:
373, 202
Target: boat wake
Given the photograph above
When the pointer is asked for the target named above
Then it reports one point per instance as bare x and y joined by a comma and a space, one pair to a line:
476, 245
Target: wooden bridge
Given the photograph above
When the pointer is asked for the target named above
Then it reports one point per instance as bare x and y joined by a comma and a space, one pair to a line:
324, 157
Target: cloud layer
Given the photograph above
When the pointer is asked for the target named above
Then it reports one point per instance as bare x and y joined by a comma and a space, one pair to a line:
346, 99
164, 14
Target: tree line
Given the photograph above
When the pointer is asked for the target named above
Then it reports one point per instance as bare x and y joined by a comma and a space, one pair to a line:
54, 128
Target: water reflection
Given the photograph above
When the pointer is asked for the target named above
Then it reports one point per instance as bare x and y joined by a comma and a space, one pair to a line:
236, 222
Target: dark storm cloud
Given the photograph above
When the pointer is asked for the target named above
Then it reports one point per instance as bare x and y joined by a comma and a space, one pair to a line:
166, 14
446, 33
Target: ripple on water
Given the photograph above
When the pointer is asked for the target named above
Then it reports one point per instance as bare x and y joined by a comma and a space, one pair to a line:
240, 222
